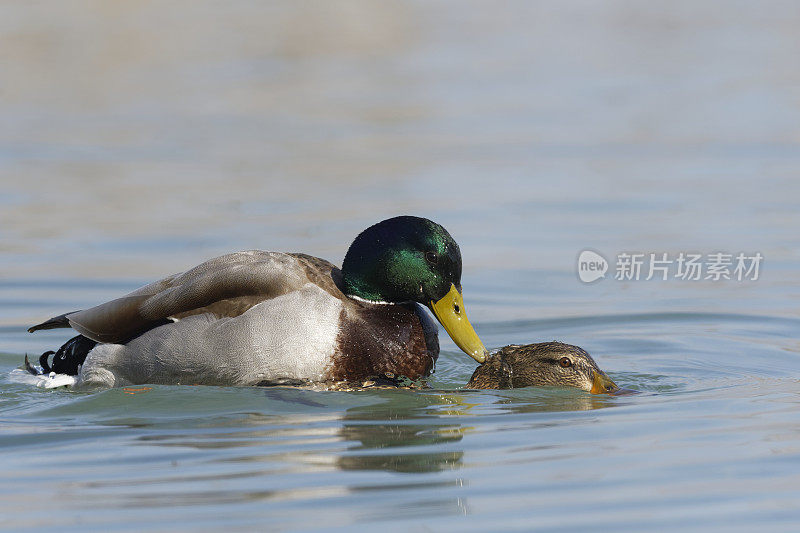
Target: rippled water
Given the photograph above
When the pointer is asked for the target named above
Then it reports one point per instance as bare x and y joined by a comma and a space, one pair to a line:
139, 139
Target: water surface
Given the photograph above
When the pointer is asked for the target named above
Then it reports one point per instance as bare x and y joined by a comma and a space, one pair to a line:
140, 139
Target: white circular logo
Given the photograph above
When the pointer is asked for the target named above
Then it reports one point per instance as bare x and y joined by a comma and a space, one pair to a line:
591, 266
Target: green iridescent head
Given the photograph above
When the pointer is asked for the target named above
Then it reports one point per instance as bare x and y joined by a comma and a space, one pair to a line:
412, 259
402, 259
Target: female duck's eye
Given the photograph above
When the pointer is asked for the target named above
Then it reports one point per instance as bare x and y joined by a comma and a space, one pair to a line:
431, 257
565, 362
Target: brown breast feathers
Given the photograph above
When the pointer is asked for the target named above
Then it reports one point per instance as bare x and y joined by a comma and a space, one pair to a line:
374, 338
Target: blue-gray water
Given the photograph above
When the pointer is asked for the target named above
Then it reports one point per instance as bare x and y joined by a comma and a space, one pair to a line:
140, 138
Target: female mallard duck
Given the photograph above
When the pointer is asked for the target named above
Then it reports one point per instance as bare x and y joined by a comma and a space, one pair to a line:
258, 317
544, 363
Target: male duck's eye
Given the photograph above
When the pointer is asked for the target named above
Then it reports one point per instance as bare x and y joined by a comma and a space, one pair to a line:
431, 257
565, 362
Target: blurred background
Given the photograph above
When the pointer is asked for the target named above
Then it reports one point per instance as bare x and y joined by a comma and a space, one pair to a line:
138, 139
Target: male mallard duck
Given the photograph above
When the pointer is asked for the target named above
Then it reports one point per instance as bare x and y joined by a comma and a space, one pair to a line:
544, 363
258, 317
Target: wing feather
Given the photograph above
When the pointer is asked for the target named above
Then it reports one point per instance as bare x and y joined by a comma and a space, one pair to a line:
226, 286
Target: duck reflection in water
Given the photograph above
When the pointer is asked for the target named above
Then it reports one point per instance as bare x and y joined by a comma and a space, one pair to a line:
401, 432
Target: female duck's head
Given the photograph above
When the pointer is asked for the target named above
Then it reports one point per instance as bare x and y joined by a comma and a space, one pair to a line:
412, 259
542, 364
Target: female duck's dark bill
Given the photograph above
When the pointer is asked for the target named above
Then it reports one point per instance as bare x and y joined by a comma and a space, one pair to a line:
450, 312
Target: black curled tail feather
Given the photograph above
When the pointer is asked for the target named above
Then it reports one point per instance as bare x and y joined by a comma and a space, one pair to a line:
68, 358
43, 361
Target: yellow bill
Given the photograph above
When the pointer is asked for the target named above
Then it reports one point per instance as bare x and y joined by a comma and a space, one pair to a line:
602, 384
451, 314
